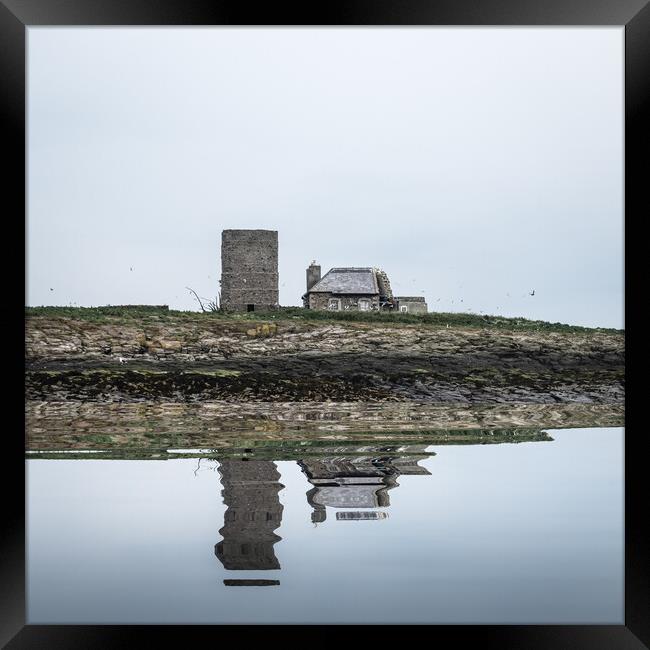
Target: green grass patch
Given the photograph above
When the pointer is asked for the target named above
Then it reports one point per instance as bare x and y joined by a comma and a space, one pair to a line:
221, 372
296, 314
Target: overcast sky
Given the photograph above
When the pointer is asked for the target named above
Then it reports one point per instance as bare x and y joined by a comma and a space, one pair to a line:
473, 165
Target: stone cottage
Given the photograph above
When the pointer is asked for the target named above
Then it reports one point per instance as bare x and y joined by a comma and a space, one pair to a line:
348, 288
356, 289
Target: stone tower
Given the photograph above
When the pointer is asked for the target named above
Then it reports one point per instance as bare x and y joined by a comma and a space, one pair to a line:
249, 270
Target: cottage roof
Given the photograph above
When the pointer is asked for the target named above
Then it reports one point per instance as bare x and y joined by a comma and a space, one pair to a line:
347, 280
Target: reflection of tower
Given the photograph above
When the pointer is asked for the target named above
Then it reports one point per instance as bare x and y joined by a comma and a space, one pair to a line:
361, 481
253, 513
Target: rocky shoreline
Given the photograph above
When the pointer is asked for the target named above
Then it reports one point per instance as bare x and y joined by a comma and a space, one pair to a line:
207, 360
214, 375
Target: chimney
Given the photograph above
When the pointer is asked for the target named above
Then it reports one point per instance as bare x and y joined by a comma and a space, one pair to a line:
313, 275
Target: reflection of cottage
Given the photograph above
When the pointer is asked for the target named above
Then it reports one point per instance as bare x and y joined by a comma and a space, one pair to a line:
253, 513
362, 515
346, 483
357, 482
350, 288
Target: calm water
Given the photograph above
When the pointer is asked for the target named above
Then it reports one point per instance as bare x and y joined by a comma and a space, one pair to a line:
508, 533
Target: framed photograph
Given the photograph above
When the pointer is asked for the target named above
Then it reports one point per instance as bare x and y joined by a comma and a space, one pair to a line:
325, 321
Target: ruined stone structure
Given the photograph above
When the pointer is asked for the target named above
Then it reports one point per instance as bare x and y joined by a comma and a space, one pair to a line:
386, 300
250, 492
411, 304
249, 270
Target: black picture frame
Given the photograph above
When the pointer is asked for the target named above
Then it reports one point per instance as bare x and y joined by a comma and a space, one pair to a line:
634, 15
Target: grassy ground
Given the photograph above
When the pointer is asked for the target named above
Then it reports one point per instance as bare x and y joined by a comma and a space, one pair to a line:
440, 319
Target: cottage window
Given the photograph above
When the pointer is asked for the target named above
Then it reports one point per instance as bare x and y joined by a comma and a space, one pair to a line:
364, 304
334, 304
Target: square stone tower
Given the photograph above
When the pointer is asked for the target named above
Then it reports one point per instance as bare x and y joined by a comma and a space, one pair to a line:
249, 270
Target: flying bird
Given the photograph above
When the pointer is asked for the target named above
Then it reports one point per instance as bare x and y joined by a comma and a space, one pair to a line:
51, 289
532, 293
130, 268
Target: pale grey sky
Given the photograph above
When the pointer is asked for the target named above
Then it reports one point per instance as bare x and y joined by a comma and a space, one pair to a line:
474, 165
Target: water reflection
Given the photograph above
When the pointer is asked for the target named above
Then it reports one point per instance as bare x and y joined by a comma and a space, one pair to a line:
253, 512
345, 478
544, 546
361, 481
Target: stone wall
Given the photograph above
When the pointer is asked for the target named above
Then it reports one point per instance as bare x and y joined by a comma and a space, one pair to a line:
414, 304
249, 270
348, 302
